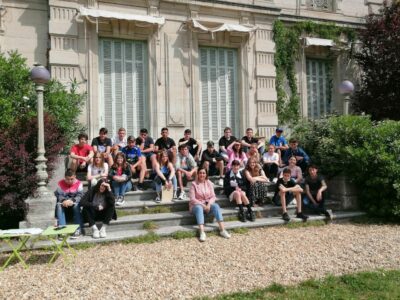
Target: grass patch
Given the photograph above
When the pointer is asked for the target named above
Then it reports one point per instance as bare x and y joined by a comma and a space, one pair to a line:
156, 210
125, 212
179, 235
149, 225
316, 223
149, 238
231, 218
364, 285
240, 230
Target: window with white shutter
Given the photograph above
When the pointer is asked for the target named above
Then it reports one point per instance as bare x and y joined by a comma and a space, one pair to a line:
123, 85
218, 76
318, 90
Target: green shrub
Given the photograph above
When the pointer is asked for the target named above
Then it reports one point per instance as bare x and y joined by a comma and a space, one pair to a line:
367, 152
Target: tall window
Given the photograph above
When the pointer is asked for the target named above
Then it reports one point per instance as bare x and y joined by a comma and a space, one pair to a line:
318, 88
218, 75
123, 84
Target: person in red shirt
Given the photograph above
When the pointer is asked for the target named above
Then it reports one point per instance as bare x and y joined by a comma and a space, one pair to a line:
81, 154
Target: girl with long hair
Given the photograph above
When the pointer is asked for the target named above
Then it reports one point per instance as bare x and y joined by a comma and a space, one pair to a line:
258, 182
120, 175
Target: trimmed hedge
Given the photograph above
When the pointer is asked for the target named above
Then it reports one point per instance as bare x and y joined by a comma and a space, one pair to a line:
368, 152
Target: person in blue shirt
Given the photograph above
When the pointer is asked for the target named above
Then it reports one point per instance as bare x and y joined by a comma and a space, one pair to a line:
136, 161
303, 160
280, 143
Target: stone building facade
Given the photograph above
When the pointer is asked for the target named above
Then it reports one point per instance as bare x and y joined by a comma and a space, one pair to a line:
181, 64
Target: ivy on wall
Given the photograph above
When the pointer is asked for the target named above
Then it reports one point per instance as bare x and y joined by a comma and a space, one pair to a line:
287, 46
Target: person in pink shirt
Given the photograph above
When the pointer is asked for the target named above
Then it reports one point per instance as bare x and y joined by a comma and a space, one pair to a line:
236, 152
81, 154
202, 201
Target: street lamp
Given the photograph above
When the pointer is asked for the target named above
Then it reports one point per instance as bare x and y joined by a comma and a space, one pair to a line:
41, 206
346, 88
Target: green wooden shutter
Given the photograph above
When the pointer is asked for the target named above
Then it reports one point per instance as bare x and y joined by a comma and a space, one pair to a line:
123, 84
218, 73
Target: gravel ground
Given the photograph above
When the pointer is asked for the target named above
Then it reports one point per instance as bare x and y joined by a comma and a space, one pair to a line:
181, 269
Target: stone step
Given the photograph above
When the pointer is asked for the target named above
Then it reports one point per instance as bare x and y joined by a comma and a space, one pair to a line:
119, 235
140, 200
184, 217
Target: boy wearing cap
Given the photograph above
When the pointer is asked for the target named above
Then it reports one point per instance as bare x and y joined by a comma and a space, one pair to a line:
134, 159
279, 142
193, 145
212, 161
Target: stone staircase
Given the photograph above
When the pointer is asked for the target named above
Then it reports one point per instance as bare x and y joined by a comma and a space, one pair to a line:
141, 215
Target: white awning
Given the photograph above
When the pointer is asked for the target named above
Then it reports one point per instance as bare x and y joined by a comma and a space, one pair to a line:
222, 27
98, 13
309, 41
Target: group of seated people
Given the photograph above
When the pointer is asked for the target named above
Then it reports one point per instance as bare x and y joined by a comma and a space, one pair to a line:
245, 171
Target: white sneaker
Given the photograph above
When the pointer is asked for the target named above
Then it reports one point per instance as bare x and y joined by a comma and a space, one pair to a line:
118, 201
158, 199
96, 233
182, 196
224, 234
202, 237
175, 196
122, 201
221, 182
102, 232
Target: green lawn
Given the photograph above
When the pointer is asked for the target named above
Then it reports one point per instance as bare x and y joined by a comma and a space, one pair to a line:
365, 285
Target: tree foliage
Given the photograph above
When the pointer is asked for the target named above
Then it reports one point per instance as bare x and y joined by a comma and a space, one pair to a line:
18, 97
379, 58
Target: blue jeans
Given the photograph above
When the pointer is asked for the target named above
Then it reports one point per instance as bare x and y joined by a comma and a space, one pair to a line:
158, 183
121, 188
318, 208
198, 211
76, 210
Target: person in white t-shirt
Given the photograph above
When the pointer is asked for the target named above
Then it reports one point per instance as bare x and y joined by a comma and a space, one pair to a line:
97, 170
119, 141
271, 163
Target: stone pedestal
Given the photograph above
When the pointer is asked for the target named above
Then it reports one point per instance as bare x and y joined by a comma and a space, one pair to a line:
41, 210
344, 192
